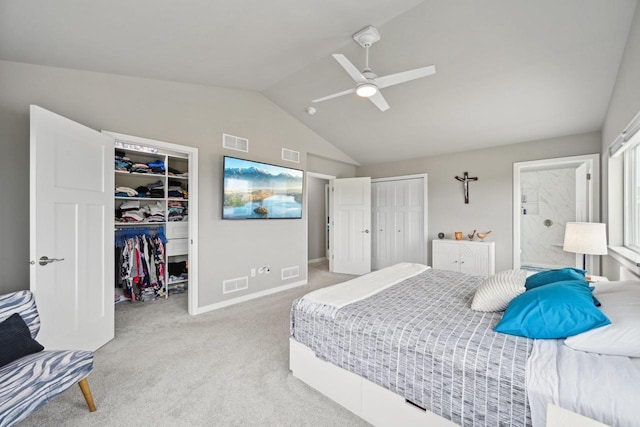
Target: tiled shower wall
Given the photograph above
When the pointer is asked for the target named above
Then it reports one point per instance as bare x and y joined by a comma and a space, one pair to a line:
547, 195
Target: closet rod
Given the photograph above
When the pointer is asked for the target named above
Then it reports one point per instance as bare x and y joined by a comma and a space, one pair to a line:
133, 227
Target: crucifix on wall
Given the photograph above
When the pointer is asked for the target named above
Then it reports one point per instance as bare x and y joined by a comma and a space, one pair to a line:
465, 184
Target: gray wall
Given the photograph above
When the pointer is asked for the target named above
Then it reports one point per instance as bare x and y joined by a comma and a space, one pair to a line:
490, 206
174, 112
330, 167
624, 105
317, 222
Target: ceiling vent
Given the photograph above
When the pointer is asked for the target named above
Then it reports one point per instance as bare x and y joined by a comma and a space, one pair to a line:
234, 285
290, 155
235, 143
290, 272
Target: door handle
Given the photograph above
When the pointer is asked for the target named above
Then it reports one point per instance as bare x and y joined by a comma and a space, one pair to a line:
366, 231
44, 260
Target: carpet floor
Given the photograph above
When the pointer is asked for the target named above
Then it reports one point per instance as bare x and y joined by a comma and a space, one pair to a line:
229, 367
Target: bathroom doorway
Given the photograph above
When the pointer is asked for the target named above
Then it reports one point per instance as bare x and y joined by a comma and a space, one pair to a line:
547, 194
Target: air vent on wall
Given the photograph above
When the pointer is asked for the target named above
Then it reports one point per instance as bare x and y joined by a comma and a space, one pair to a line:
233, 285
235, 143
290, 272
290, 155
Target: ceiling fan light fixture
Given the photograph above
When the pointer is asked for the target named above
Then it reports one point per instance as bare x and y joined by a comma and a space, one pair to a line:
366, 90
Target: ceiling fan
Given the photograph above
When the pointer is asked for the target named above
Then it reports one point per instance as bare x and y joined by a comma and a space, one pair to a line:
368, 84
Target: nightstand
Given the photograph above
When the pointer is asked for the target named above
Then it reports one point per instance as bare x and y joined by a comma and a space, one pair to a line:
593, 279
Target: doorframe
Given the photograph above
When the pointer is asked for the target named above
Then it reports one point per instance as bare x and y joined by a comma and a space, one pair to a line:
425, 205
327, 215
306, 196
192, 155
592, 160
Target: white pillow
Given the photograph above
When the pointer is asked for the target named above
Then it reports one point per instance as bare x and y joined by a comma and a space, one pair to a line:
496, 292
621, 303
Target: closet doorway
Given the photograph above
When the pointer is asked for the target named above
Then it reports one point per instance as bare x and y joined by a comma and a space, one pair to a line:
178, 198
546, 195
72, 230
318, 243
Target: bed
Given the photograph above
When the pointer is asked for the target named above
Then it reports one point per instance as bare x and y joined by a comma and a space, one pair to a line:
402, 346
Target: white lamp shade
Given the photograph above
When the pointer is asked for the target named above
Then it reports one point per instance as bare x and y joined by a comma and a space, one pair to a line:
588, 238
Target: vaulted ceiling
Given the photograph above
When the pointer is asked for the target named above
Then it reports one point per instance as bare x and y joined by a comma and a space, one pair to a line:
507, 70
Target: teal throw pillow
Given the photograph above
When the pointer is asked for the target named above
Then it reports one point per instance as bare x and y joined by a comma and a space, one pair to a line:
552, 276
558, 310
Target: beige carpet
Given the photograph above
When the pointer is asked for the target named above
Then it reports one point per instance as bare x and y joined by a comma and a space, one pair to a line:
229, 367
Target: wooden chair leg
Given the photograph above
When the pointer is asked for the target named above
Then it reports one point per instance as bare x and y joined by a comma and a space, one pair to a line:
86, 392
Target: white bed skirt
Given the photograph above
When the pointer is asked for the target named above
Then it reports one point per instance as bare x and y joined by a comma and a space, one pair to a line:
369, 401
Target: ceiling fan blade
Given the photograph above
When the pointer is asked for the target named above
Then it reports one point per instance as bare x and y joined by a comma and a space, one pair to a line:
405, 76
379, 101
350, 68
335, 95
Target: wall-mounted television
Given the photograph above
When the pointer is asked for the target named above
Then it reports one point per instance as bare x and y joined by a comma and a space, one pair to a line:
255, 190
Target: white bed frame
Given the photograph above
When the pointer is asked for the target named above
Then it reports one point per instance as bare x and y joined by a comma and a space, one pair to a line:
381, 407
367, 400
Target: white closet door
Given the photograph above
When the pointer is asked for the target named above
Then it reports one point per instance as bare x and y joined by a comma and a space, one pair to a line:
398, 222
380, 227
414, 221
71, 224
408, 221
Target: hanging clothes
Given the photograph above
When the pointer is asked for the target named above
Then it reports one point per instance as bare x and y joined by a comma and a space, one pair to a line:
141, 271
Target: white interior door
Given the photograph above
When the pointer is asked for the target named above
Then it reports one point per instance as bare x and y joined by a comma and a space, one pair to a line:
351, 226
71, 224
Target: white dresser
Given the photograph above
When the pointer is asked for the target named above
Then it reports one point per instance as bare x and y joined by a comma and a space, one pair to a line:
465, 256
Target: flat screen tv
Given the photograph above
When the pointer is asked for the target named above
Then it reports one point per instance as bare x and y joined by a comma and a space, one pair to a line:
254, 190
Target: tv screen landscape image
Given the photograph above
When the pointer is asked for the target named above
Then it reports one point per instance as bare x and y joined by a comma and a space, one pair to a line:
255, 190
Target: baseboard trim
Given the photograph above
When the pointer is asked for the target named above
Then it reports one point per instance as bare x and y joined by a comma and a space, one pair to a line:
249, 297
312, 261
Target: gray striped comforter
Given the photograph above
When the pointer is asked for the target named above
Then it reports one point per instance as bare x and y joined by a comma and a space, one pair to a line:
421, 340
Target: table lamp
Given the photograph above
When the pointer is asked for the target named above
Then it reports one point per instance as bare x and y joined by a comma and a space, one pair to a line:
586, 238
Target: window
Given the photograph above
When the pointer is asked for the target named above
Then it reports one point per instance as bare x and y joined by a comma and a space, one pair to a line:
632, 194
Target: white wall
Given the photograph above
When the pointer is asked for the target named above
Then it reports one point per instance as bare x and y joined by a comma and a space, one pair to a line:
174, 112
624, 105
490, 206
551, 194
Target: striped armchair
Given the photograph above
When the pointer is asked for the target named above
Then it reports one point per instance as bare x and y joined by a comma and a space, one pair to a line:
33, 380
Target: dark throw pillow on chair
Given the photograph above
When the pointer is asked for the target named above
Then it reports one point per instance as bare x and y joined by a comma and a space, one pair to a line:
15, 340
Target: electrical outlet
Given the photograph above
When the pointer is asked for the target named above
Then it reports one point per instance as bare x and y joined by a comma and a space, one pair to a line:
264, 269
253, 272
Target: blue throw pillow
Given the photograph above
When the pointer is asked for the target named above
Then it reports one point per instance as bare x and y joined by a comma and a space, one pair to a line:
558, 310
552, 276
